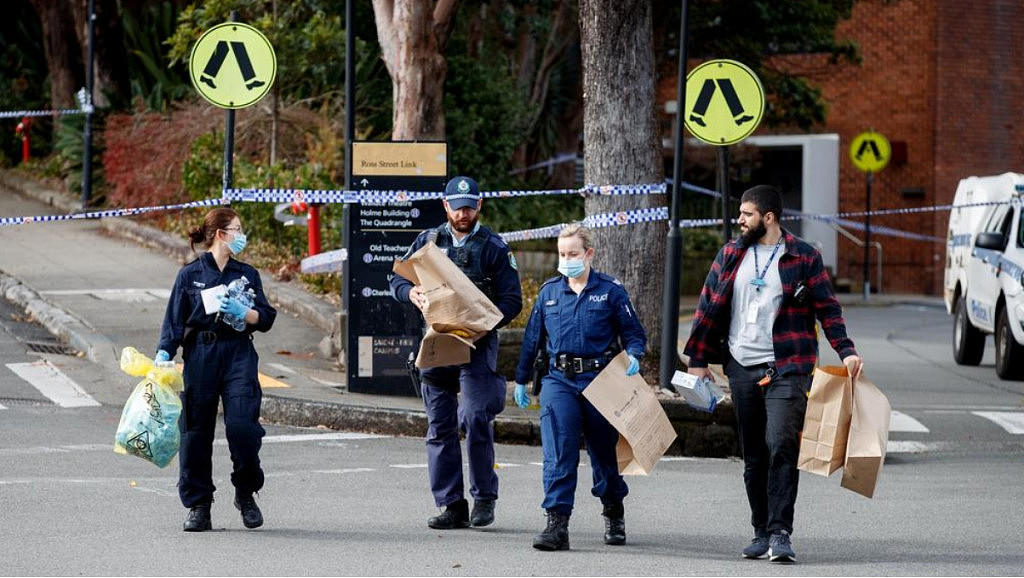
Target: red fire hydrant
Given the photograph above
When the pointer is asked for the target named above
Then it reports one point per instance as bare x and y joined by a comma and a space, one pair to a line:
23, 129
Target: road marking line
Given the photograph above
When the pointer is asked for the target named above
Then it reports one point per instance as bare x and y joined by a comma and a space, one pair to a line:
908, 447
288, 438
282, 367
407, 466
52, 383
345, 471
267, 382
1011, 421
902, 422
2, 406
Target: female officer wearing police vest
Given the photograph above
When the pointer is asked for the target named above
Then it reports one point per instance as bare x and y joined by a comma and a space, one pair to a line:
580, 317
220, 363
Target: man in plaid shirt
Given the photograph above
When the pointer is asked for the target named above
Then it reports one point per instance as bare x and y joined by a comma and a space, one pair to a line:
756, 316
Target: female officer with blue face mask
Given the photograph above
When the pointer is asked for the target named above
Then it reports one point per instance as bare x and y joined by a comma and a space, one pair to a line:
582, 317
220, 364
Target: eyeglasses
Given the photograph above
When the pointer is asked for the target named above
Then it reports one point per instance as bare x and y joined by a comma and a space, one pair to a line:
239, 229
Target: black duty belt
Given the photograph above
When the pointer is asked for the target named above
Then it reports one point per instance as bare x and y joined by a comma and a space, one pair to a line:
571, 366
214, 336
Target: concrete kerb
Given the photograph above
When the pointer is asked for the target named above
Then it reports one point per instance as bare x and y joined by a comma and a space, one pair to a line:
69, 329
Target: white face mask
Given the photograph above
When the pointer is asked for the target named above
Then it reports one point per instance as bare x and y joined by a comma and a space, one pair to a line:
571, 268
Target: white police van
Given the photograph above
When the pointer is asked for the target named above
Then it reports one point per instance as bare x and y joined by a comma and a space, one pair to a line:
983, 286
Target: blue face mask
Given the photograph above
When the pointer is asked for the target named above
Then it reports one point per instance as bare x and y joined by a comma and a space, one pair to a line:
237, 245
571, 268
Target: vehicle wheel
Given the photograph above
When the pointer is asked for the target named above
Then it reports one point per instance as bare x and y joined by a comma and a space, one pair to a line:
1009, 353
968, 341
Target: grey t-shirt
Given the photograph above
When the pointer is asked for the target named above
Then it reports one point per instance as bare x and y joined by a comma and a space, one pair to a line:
754, 307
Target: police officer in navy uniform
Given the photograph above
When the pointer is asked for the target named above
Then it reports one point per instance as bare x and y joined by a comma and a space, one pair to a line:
489, 263
582, 317
220, 364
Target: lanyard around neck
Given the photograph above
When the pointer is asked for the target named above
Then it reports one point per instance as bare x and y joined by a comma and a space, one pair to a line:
758, 280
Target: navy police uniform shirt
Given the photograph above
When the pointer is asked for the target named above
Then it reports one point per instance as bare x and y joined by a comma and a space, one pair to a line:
489, 264
585, 325
185, 307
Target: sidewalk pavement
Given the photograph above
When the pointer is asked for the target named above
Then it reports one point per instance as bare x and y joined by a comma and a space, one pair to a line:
102, 285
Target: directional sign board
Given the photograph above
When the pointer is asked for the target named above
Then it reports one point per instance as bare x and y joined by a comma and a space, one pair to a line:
724, 102
381, 331
870, 151
232, 65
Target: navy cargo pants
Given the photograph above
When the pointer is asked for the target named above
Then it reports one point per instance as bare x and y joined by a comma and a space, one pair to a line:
482, 398
564, 415
220, 366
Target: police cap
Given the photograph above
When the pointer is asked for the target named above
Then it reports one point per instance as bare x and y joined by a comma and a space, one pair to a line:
462, 192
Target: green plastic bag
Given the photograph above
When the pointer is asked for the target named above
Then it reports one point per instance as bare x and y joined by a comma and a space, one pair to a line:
149, 421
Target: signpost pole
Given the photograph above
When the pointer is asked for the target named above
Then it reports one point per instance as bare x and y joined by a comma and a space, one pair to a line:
867, 239
87, 132
674, 256
723, 187
346, 211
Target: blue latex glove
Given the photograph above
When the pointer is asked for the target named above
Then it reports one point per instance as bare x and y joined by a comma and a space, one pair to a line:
634, 365
232, 307
522, 400
162, 355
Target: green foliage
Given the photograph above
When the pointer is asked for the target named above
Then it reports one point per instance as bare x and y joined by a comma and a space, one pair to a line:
69, 145
273, 245
154, 82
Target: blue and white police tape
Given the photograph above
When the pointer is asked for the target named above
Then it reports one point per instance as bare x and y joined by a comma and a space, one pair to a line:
127, 212
58, 112
376, 197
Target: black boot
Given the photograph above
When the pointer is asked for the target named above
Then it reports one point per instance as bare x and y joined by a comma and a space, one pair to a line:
483, 513
251, 515
555, 536
614, 524
456, 515
198, 518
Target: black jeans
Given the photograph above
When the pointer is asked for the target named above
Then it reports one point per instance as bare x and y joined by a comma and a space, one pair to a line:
770, 419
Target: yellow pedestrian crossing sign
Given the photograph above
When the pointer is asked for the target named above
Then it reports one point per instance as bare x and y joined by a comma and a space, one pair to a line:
870, 151
724, 102
232, 65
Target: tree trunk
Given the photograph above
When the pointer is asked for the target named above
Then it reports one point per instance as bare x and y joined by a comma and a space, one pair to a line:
412, 35
60, 46
621, 146
111, 85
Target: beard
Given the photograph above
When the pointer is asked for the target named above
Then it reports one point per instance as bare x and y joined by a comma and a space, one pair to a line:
754, 235
463, 225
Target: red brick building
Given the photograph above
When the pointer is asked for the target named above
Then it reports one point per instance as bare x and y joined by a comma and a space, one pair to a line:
943, 80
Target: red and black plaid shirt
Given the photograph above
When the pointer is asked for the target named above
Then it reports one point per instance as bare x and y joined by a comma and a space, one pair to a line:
795, 341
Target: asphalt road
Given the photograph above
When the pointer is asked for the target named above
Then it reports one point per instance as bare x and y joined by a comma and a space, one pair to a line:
339, 503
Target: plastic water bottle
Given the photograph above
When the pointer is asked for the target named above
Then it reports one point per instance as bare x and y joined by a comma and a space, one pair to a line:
239, 290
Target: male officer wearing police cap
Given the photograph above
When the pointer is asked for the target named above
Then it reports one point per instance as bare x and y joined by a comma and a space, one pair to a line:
489, 263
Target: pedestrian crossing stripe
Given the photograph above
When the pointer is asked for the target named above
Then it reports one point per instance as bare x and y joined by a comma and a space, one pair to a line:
1011, 421
51, 382
901, 422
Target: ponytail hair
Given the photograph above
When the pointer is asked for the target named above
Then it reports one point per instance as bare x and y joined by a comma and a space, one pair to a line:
216, 220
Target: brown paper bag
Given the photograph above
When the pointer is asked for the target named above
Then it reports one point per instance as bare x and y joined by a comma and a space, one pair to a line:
869, 435
457, 313
632, 408
827, 421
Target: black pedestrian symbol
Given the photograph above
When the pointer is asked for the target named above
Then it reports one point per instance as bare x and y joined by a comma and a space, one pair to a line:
707, 91
869, 144
217, 60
